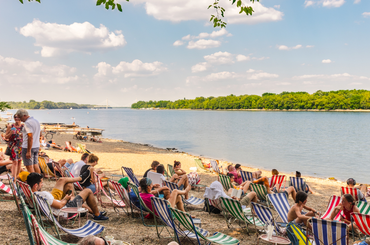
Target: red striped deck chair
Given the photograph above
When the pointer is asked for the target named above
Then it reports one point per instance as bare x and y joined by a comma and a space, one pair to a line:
100, 189
58, 168
5, 188
277, 180
362, 221
352, 191
333, 202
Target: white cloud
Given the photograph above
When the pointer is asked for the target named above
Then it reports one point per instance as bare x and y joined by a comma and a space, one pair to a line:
20, 71
283, 83
310, 46
261, 75
56, 39
197, 10
178, 43
241, 57
308, 3
366, 14
136, 68
326, 61
334, 77
277, 6
203, 44
333, 3
357, 1
284, 47
199, 67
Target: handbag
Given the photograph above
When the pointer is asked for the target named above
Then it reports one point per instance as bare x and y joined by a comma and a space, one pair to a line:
8, 151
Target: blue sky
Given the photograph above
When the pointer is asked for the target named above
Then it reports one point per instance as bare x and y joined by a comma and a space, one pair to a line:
74, 51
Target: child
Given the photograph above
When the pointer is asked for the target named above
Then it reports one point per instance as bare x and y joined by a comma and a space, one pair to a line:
308, 189
295, 212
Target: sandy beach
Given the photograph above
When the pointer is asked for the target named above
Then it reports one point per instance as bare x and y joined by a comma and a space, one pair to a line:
115, 153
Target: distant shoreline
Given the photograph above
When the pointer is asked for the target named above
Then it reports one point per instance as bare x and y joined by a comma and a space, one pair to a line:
285, 110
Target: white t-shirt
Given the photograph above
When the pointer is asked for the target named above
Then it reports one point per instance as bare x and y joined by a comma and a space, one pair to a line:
77, 168
49, 198
31, 125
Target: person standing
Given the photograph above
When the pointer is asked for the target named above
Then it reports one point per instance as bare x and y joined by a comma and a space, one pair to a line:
13, 134
31, 141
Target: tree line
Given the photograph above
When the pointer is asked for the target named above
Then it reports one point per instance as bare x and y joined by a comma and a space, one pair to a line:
332, 100
32, 104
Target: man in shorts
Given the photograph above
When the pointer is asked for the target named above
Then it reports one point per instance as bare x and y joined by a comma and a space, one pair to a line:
296, 214
31, 141
57, 199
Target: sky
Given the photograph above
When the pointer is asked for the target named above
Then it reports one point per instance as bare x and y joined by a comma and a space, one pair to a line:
75, 51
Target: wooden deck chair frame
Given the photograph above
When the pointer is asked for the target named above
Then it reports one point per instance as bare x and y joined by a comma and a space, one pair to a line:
199, 164
13, 187
318, 236
124, 196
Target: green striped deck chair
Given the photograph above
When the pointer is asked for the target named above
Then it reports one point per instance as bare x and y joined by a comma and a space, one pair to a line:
171, 172
261, 192
234, 208
364, 207
225, 181
199, 164
186, 221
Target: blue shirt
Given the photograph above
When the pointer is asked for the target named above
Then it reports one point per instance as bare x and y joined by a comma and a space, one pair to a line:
69, 166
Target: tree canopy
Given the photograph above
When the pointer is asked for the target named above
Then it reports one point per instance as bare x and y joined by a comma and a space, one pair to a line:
4, 106
341, 99
32, 104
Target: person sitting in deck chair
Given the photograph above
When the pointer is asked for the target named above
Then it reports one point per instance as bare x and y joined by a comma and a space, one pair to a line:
61, 163
362, 189
153, 168
237, 176
76, 169
181, 181
193, 177
57, 199
69, 147
347, 206
133, 198
296, 214
308, 188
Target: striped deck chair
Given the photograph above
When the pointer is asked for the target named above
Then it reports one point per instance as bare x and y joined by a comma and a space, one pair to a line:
333, 202
191, 201
6, 189
131, 175
76, 184
234, 208
265, 216
299, 184
199, 164
214, 166
225, 181
261, 192
362, 221
161, 206
45, 169
246, 176
58, 168
14, 192
171, 171
364, 207
281, 205
329, 232
296, 235
186, 221
90, 228
28, 195
351, 191
277, 181
83, 148
100, 189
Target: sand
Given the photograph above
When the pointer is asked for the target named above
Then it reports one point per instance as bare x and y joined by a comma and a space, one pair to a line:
112, 155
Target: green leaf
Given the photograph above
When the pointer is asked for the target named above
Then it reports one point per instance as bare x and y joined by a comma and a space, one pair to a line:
119, 7
208, 6
21, 1
113, 6
234, 1
99, 2
107, 5
239, 3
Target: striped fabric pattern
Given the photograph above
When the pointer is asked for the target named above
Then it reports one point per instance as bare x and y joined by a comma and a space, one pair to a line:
5, 188
352, 191
265, 216
333, 202
58, 168
216, 203
225, 181
26, 189
191, 201
115, 202
260, 190
45, 169
170, 169
281, 205
296, 236
161, 207
76, 184
364, 207
199, 164
131, 175
186, 220
246, 176
329, 232
90, 228
235, 209
277, 180
363, 222
215, 166
299, 184
142, 204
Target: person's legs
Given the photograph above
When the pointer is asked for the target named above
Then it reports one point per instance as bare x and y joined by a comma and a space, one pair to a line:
88, 196
175, 199
27, 162
62, 182
35, 159
245, 186
291, 191
14, 168
19, 164
174, 178
166, 194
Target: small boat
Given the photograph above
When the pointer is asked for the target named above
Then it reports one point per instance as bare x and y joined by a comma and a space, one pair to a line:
71, 108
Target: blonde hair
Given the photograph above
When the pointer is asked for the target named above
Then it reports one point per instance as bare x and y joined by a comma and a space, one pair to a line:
92, 158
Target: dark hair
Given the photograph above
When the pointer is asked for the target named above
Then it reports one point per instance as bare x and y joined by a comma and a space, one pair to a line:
84, 156
33, 179
237, 166
301, 196
160, 169
154, 164
349, 198
298, 174
175, 163
230, 175
351, 181
228, 167
143, 185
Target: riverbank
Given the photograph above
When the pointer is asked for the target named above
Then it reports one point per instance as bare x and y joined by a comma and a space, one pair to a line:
285, 110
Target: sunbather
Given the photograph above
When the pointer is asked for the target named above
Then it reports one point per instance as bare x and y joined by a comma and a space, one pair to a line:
61, 163
69, 147
57, 199
308, 188
153, 168
175, 200
54, 145
346, 207
362, 189
182, 181
177, 168
133, 198
237, 176
295, 213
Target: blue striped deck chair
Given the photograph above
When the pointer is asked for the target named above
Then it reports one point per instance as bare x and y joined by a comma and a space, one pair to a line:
191, 201
90, 228
186, 221
214, 166
299, 184
281, 205
265, 216
327, 232
246, 176
131, 175
296, 235
234, 208
161, 206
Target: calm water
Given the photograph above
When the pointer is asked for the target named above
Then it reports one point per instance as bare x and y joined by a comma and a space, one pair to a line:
322, 144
